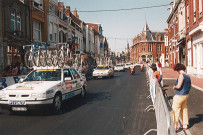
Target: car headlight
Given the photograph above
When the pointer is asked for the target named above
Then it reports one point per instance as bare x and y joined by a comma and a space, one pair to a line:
38, 95
2, 95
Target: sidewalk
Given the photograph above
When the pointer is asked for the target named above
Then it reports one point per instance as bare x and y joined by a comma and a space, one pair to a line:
195, 106
171, 74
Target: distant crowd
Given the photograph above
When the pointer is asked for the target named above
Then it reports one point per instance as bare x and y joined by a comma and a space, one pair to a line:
14, 70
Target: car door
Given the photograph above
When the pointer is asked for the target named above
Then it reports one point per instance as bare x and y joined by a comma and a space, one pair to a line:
76, 81
67, 85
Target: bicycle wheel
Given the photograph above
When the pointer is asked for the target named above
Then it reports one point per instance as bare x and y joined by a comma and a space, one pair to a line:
61, 58
42, 58
28, 59
49, 57
55, 58
36, 59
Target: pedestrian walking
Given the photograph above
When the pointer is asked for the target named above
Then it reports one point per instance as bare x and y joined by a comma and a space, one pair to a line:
181, 90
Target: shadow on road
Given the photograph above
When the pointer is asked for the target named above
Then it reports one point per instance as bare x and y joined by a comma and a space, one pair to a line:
195, 120
69, 105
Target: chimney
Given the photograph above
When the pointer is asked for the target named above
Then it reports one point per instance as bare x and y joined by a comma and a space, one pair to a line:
67, 11
75, 13
60, 6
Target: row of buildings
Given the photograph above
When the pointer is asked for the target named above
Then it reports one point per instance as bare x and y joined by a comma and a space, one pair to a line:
181, 42
23, 22
184, 40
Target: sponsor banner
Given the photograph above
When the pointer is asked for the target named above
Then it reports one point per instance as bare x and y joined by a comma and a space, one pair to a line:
7, 81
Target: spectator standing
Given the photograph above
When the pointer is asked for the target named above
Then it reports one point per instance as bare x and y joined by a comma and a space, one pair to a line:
15, 70
23, 69
181, 90
161, 76
159, 64
156, 74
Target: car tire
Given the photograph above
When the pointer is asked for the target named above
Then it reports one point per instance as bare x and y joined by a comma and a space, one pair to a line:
57, 102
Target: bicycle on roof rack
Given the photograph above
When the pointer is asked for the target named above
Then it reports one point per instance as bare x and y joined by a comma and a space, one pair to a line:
37, 54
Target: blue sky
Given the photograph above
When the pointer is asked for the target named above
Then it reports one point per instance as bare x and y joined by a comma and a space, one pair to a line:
122, 24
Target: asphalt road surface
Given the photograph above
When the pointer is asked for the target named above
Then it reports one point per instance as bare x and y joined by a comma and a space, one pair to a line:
112, 107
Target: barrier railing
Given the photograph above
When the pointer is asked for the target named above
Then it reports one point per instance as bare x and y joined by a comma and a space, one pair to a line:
163, 119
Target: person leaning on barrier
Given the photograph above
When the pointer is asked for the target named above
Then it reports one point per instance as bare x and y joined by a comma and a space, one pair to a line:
156, 74
181, 90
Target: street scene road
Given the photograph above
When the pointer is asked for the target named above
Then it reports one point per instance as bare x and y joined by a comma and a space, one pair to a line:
112, 107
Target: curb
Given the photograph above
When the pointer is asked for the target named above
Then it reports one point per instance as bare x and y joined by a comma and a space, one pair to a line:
196, 87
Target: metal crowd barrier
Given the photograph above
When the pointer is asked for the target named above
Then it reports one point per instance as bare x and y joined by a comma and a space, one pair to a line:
163, 119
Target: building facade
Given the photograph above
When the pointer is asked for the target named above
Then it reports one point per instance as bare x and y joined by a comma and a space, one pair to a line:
176, 46
148, 46
194, 39
15, 30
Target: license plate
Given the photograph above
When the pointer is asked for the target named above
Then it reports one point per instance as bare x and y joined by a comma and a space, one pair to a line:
17, 102
19, 108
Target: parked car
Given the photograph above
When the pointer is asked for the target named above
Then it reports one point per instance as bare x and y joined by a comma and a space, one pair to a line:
119, 67
43, 87
127, 65
102, 71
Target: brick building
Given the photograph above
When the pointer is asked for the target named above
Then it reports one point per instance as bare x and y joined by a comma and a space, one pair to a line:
148, 46
185, 35
194, 38
176, 46
15, 30
39, 27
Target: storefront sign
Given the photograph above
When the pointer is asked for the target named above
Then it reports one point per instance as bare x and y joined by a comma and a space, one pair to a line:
7, 81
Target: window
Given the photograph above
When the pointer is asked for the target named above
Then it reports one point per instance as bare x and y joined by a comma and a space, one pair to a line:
200, 8
37, 30
13, 20
150, 48
38, 4
143, 48
187, 15
75, 73
55, 32
159, 48
18, 21
194, 9
195, 55
67, 73
50, 31
52, 9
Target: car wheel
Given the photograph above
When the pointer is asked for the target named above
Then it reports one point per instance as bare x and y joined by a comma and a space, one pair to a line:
83, 93
57, 103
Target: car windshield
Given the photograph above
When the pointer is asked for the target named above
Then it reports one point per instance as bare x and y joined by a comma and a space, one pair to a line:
104, 67
119, 65
44, 75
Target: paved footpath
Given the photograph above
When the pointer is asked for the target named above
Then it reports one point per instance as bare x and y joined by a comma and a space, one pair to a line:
195, 106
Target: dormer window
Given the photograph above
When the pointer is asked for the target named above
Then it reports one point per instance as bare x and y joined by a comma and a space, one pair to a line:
38, 4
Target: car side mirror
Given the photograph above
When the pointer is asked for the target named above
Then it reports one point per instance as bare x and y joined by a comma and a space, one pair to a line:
68, 79
21, 80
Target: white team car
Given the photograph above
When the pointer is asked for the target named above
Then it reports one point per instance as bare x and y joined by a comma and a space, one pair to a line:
127, 65
119, 67
103, 71
43, 87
